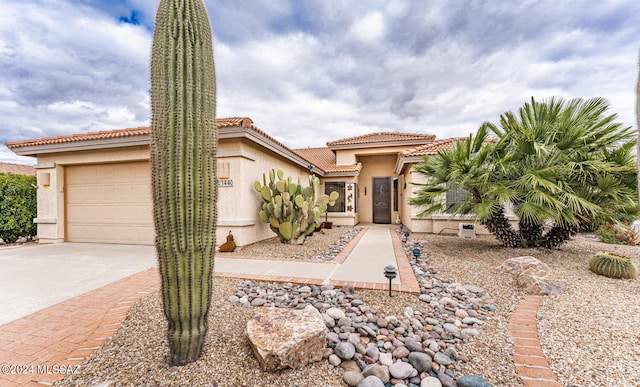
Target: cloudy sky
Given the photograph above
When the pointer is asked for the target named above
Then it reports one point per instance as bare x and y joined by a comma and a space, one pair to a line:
312, 71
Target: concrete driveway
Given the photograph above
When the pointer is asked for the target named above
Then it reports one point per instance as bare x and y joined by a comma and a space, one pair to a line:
35, 277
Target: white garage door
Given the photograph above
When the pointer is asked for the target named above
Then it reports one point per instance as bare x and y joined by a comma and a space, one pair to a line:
109, 203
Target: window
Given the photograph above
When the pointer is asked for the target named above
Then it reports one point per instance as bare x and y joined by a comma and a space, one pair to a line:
395, 194
455, 197
339, 187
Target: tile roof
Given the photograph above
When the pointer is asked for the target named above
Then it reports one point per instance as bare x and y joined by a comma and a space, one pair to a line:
325, 159
382, 137
129, 132
17, 169
429, 149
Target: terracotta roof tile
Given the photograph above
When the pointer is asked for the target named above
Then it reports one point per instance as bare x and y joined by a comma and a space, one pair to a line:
320, 157
17, 169
382, 137
429, 149
129, 132
325, 159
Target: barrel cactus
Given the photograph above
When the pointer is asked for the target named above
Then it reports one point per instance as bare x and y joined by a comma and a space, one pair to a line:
291, 210
183, 165
612, 265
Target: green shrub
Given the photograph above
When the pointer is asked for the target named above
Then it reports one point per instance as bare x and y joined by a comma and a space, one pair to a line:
18, 206
612, 265
618, 235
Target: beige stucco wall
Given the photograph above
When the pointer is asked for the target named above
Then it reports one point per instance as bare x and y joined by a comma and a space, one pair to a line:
350, 156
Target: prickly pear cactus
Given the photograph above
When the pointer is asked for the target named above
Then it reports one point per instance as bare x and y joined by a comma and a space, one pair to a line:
183, 164
292, 211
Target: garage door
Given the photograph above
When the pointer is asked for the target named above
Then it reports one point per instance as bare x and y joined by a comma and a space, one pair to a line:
109, 203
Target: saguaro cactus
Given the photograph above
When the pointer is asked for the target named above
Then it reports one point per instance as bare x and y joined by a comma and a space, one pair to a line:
183, 144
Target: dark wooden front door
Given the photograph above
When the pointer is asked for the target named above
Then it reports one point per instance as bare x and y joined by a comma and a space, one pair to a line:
382, 200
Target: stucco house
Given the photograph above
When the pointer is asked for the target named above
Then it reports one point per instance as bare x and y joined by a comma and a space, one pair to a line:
95, 187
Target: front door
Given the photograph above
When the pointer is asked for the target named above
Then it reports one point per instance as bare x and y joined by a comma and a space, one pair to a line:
382, 200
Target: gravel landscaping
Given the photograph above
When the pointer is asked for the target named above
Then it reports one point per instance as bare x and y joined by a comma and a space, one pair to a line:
590, 333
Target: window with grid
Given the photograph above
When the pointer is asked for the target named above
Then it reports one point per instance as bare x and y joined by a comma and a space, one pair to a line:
455, 197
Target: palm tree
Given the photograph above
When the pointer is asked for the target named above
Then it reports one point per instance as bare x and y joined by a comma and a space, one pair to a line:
557, 164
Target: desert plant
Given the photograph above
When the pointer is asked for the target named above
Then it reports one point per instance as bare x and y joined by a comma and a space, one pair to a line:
17, 206
292, 211
558, 164
619, 234
612, 265
183, 164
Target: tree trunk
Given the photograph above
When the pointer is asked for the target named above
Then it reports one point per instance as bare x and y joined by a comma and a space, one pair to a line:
557, 236
530, 234
499, 226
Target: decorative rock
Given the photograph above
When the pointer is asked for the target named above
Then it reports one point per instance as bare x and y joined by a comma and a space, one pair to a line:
334, 360
442, 359
345, 350
461, 313
304, 289
335, 313
350, 365
401, 352
451, 353
420, 361
472, 381
282, 338
235, 300
400, 370
386, 359
470, 332
352, 378
380, 372
373, 352
474, 289
371, 381
412, 345
451, 328
258, 302
430, 381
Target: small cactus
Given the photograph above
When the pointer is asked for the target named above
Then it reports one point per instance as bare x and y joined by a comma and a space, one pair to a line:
292, 211
613, 266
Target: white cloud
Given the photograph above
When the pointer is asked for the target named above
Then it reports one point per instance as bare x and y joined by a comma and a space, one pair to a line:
370, 28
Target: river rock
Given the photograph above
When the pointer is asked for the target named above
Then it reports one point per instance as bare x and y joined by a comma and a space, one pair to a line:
472, 381
381, 372
400, 370
371, 381
352, 378
430, 381
345, 350
420, 361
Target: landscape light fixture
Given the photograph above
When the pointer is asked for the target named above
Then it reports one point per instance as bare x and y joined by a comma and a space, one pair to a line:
416, 253
390, 272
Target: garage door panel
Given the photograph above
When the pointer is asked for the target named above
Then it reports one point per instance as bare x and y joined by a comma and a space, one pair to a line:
109, 203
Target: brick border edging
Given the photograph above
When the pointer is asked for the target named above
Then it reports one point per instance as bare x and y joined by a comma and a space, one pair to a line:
531, 365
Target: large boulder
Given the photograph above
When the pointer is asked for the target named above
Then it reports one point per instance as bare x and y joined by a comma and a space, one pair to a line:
531, 275
282, 338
